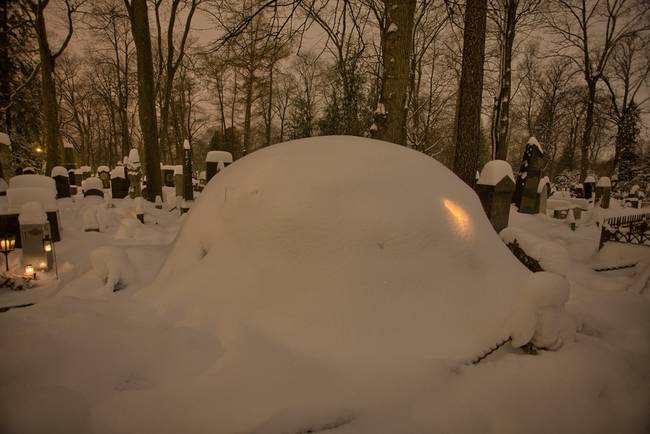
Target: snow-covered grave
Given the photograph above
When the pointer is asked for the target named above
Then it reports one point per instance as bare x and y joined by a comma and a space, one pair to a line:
332, 284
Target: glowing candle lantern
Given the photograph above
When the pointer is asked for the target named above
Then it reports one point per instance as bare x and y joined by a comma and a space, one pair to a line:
30, 273
460, 218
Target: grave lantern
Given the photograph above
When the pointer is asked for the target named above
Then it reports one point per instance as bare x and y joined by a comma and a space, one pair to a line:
34, 227
7, 245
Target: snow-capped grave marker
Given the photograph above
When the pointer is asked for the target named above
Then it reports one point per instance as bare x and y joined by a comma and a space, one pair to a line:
86, 172
589, 186
215, 161
92, 187
135, 173
78, 177
525, 197
495, 187
34, 227
68, 161
188, 188
603, 191
158, 202
543, 191
62, 181
119, 185
104, 173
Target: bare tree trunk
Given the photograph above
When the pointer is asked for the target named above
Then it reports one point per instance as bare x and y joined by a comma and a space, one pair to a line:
586, 135
468, 111
5, 77
397, 46
49, 101
146, 94
248, 106
501, 112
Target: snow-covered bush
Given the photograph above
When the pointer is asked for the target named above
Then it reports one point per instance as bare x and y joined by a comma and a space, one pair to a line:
345, 248
111, 264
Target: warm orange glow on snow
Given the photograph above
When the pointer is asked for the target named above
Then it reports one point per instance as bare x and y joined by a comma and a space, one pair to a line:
461, 219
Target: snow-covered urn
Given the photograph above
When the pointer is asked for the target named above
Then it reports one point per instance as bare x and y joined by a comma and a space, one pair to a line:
494, 187
135, 173
111, 264
538, 315
528, 178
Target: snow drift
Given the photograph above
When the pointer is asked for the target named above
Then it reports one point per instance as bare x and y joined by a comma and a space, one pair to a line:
342, 248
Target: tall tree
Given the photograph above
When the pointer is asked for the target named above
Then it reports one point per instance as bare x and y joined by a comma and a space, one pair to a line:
35, 11
589, 32
508, 16
468, 110
139, 17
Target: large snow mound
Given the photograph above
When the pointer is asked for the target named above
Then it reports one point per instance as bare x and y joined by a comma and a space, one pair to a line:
342, 248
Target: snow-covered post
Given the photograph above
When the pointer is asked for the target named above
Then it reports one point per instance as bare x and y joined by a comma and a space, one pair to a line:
603, 190
62, 181
158, 202
543, 190
495, 187
530, 172
188, 189
135, 173
589, 186
34, 227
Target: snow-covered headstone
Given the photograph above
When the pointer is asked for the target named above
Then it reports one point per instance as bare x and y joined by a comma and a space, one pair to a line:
62, 181
92, 186
28, 171
589, 186
603, 191
119, 184
34, 226
215, 161
90, 220
525, 197
494, 187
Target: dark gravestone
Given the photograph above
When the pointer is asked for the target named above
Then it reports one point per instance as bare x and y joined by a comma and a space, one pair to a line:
167, 173
525, 197
62, 181
119, 184
188, 187
215, 161
62, 186
494, 188
589, 187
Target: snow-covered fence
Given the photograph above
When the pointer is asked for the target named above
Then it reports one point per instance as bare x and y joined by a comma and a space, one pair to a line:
631, 229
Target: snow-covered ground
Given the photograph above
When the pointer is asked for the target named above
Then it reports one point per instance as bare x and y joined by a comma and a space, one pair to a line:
336, 285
